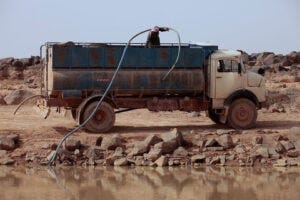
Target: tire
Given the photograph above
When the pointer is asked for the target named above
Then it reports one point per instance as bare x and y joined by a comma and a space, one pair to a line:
102, 121
214, 117
242, 114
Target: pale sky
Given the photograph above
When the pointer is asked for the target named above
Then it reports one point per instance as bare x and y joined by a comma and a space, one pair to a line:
250, 25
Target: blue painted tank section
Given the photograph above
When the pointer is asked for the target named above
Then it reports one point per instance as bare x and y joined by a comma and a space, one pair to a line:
77, 68
105, 55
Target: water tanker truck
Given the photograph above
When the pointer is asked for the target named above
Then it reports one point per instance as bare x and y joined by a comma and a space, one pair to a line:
205, 79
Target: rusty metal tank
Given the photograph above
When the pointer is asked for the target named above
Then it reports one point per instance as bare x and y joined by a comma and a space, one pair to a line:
74, 68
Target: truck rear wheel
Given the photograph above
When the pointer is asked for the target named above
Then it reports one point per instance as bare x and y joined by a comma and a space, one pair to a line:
102, 121
213, 116
242, 114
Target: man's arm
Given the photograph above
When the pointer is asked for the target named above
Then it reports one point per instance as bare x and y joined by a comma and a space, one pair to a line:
162, 29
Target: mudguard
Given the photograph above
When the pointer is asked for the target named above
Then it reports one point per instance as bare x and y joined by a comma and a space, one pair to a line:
242, 94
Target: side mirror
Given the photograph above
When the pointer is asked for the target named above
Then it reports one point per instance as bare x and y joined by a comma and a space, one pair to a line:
239, 68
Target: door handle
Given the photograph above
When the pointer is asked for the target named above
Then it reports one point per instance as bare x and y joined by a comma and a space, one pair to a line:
219, 77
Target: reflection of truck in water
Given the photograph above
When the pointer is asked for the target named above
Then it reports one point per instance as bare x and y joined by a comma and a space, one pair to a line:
204, 79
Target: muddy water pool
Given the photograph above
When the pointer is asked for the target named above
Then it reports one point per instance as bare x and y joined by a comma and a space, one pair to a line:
149, 183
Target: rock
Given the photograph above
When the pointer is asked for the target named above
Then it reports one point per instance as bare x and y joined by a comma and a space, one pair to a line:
77, 153
263, 161
262, 152
30, 157
162, 161
281, 138
111, 143
293, 154
294, 131
49, 157
72, 144
194, 114
119, 151
121, 162
200, 158
144, 146
231, 157
214, 160
214, 148
171, 141
18, 64
199, 143
297, 145
174, 162
27, 61
153, 154
225, 141
116, 155
17, 96
224, 131
14, 137
279, 148
152, 140
277, 107
269, 59
53, 146
98, 141
292, 162
167, 147
99, 162
6, 161
257, 140
181, 152
138, 161
222, 159
240, 149
273, 153
288, 145
293, 57
262, 56
7, 144
212, 143
6, 61
45, 146
139, 148
94, 152
2, 101
280, 163
3, 153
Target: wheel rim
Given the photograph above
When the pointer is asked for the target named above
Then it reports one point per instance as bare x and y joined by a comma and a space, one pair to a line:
242, 114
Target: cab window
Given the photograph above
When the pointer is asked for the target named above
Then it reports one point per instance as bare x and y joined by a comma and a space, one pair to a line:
227, 66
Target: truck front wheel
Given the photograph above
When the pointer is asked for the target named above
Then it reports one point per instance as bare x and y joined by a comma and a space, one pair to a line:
242, 114
102, 121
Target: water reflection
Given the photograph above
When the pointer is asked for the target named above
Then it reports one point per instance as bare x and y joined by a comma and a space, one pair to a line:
150, 183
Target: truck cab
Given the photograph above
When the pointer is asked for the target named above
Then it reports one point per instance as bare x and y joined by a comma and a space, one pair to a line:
235, 93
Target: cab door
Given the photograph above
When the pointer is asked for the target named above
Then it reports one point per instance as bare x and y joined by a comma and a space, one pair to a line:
227, 79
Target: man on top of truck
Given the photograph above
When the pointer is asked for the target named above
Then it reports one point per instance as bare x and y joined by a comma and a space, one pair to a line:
153, 36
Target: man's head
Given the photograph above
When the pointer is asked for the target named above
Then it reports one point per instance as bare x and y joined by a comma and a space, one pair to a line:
155, 29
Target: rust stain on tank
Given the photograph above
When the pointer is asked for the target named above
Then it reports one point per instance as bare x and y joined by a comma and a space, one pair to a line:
94, 55
61, 54
164, 55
